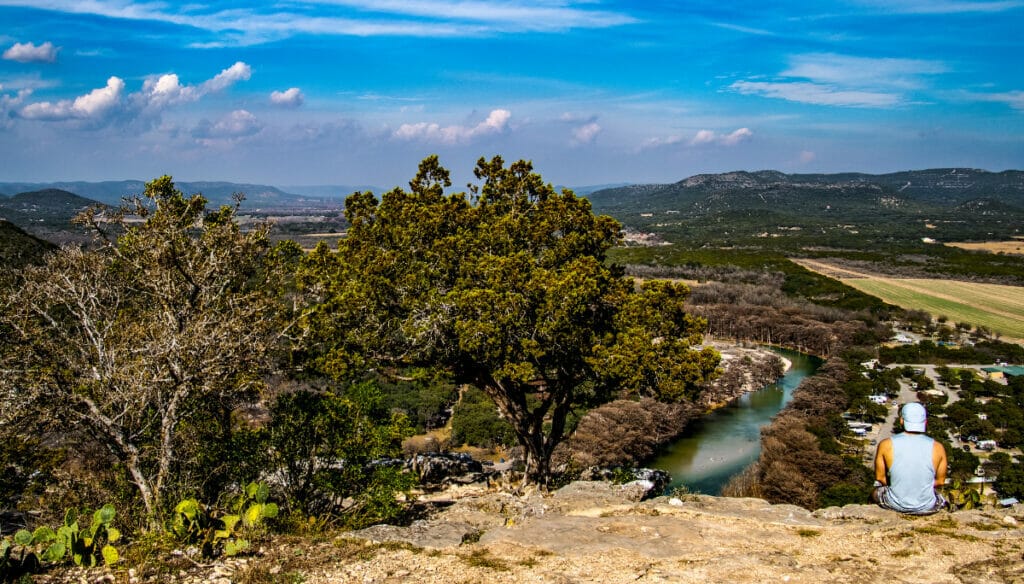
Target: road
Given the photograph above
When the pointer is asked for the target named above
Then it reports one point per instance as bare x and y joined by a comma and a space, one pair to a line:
908, 394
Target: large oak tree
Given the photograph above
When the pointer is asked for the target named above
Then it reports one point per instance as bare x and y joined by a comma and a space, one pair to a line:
508, 288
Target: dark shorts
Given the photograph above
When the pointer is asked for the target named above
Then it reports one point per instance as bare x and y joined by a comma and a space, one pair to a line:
886, 502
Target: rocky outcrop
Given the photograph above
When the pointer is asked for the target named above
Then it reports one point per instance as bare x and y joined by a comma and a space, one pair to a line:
596, 532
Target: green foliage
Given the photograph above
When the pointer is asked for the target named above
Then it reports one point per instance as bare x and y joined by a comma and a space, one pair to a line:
476, 422
87, 546
508, 289
1010, 482
928, 352
423, 395
216, 531
962, 496
844, 493
326, 445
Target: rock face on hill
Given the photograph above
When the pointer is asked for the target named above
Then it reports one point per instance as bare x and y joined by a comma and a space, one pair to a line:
599, 532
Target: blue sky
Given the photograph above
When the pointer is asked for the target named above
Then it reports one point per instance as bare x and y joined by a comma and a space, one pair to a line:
353, 92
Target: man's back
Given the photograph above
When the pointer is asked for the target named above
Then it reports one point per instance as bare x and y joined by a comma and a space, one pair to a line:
912, 474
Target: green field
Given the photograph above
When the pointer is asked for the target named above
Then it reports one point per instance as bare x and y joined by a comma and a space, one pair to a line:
1000, 308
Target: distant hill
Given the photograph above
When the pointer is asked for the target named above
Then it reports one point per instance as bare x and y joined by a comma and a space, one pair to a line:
948, 203
18, 249
218, 193
47, 206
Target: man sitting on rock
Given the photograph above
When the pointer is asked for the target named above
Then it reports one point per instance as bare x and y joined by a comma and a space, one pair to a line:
910, 467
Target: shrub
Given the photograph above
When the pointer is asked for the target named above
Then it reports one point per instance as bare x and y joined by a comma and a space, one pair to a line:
476, 422
326, 450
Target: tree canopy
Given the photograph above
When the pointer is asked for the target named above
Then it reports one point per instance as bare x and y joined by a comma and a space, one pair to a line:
508, 288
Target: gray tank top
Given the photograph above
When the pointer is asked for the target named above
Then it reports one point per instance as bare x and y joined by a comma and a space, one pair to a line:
912, 476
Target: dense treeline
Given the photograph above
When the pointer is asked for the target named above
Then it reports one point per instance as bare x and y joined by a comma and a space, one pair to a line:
749, 305
927, 351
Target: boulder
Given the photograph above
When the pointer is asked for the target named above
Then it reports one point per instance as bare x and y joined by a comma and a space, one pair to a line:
443, 468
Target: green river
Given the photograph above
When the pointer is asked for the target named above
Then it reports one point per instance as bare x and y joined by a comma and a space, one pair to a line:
724, 442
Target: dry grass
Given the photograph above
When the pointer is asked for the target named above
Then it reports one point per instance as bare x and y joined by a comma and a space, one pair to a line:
1012, 247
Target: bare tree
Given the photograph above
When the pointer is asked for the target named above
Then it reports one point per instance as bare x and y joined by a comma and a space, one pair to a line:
125, 342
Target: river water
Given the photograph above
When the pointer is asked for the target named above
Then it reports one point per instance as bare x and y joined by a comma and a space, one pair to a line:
724, 442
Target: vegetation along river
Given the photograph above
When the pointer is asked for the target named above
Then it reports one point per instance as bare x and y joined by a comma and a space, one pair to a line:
724, 442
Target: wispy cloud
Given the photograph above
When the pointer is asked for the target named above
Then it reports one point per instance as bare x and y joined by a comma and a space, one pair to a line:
743, 29
701, 138
848, 71
817, 94
1014, 99
943, 6
416, 18
30, 53
846, 81
232, 127
495, 123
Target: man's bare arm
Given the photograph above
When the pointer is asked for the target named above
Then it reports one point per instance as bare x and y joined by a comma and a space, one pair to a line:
940, 462
883, 460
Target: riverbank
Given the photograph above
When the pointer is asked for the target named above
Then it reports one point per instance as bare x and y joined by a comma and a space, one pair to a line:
721, 444
631, 432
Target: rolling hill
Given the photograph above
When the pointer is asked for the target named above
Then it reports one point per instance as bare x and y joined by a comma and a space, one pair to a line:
942, 203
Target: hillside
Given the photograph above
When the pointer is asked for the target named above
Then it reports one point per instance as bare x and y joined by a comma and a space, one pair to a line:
597, 532
18, 248
746, 206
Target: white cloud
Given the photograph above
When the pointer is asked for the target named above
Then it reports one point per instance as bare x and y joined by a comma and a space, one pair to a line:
238, 124
167, 90
495, 123
228, 77
94, 106
733, 138
9, 104
660, 142
30, 53
586, 133
291, 97
817, 94
702, 137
